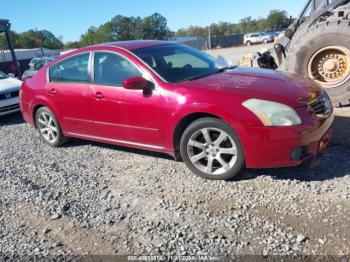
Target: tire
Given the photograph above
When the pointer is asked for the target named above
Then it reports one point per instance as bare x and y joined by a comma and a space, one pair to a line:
266, 41
226, 156
48, 127
248, 43
306, 43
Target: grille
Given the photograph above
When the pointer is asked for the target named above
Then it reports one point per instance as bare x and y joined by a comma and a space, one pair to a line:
9, 108
9, 95
321, 106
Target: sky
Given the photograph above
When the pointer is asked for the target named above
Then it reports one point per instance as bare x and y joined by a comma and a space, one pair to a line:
71, 18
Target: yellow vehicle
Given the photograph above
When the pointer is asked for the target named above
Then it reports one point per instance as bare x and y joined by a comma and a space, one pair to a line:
317, 45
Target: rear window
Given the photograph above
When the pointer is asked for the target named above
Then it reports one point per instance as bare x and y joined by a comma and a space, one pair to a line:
73, 69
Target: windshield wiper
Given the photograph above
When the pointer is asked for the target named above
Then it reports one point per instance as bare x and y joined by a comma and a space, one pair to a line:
221, 70
196, 77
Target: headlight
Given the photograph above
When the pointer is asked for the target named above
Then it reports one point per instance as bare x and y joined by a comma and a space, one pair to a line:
272, 113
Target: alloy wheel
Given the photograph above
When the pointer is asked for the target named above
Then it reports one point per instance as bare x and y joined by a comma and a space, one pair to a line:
47, 127
212, 151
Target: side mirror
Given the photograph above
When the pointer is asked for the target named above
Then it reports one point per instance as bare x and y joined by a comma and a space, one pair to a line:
12, 75
137, 83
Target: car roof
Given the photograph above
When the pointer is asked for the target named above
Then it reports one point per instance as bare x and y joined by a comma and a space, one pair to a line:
136, 44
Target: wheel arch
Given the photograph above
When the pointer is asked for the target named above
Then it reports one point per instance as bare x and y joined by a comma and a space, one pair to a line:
181, 126
35, 109
38, 103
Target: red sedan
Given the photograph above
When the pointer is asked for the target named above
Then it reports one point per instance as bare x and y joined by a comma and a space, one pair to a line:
170, 98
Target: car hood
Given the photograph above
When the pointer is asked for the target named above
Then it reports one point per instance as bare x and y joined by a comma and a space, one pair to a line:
261, 84
9, 84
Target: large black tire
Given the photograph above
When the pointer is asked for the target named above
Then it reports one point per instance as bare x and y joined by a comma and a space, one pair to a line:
43, 114
306, 43
232, 141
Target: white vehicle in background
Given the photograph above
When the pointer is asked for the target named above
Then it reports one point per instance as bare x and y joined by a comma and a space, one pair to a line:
257, 38
35, 65
9, 94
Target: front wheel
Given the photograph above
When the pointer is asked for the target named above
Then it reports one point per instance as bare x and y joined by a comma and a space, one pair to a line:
48, 127
248, 43
211, 149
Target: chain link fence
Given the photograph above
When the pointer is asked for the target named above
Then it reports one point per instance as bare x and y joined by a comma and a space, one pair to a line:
216, 42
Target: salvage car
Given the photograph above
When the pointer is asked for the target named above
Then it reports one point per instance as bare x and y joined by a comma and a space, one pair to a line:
35, 65
170, 98
9, 94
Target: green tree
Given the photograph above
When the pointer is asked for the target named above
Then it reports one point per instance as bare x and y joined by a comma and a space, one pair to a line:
3, 41
32, 39
49, 40
276, 19
72, 45
155, 27
121, 28
90, 37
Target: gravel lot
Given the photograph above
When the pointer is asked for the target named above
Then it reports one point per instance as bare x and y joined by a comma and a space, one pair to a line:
91, 198
235, 54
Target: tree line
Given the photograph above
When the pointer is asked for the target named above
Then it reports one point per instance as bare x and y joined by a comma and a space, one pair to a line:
121, 28
155, 26
276, 20
32, 39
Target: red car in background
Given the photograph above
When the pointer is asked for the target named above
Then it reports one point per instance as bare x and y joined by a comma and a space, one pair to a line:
169, 98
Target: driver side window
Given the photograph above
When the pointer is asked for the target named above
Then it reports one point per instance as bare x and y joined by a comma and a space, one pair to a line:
112, 69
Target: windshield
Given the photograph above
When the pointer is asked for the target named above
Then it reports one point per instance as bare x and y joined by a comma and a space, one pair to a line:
3, 76
177, 63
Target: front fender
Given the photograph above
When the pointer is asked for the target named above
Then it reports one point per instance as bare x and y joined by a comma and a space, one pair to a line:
201, 108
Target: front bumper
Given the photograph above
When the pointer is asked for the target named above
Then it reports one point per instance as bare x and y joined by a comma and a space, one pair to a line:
286, 146
9, 106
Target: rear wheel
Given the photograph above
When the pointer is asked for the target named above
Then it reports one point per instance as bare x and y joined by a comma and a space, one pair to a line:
323, 54
212, 150
266, 40
48, 127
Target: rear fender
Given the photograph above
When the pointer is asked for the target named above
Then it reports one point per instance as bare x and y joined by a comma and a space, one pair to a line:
40, 101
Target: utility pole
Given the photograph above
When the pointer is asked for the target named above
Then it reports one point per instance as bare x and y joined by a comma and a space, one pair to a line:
41, 42
209, 38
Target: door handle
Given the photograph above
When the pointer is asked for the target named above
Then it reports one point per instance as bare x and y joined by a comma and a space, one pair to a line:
52, 91
99, 96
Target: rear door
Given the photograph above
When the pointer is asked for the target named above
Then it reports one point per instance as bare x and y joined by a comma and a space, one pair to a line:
255, 38
69, 90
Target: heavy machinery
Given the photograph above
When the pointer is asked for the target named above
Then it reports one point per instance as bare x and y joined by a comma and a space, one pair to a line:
317, 45
5, 28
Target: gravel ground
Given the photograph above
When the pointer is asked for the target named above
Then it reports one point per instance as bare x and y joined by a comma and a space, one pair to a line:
235, 54
91, 198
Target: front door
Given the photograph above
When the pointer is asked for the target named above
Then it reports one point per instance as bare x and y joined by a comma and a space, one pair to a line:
126, 116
